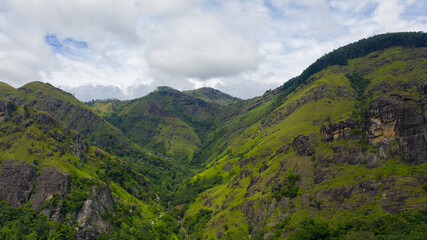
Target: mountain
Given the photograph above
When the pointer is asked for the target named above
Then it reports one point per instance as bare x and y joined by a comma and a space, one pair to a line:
338, 152
340, 155
213, 95
76, 115
5, 89
50, 169
168, 122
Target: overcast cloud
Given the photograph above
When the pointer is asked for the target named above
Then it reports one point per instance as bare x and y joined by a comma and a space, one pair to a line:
126, 48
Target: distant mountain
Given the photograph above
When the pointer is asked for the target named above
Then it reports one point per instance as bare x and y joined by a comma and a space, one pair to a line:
168, 122
213, 95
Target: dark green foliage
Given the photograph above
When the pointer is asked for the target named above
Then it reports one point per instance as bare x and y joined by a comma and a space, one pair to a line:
195, 224
134, 183
25, 223
312, 230
408, 225
79, 192
289, 188
188, 193
359, 84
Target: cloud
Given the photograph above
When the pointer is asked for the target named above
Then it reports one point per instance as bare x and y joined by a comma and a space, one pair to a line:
201, 47
90, 92
128, 48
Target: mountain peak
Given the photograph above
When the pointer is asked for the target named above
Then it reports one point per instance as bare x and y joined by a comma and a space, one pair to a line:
5, 89
213, 95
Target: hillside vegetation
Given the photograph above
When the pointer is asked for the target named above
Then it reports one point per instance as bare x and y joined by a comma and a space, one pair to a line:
338, 152
347, 145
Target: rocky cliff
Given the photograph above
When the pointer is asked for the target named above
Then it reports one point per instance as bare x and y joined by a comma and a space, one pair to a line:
56, 172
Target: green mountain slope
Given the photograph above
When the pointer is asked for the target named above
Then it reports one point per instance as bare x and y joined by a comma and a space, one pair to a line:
213, 95
78, 116
168, 122
346, 145
5, 89
55, 171
75, 114
338, 152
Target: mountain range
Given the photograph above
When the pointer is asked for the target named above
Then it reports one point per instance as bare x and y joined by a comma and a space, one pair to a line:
338, 152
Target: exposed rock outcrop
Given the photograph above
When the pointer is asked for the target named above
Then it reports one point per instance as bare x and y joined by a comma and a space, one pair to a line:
398, 118
339, 130
20, 183
6, 109
302, 145
17, 182
51, 182
90, 217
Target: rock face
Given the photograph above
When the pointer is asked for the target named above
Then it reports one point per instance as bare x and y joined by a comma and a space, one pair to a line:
20, 183
303, 146
6, 110
16, 183
51, 182
90, 215
398, 118
338, 131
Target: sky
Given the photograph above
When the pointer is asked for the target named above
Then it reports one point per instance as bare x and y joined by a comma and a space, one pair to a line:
98, 49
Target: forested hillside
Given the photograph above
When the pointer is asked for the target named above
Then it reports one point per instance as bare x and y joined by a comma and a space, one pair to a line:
338, 152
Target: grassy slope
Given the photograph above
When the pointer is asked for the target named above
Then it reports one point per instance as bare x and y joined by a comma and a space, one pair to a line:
67, 109
168, 122
78, 116
37, 145
260, 141
5, 89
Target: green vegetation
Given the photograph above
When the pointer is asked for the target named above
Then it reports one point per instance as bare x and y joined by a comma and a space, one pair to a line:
189, 192
358, 49
399, 226
26, 223
359, 84
196, 224
213, 95
5, 89
203, 165
289, 188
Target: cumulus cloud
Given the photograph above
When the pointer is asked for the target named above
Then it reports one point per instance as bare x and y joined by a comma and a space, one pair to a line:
200, 47
125, 49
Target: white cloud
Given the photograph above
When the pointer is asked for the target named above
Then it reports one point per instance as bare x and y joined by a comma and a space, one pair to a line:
241, 47
200, 47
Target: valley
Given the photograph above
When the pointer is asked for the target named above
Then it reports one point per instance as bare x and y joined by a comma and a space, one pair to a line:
338, 152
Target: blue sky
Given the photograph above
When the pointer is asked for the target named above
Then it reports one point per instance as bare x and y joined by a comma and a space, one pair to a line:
125, 49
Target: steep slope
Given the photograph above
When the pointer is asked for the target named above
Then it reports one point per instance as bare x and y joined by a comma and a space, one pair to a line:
75, 114
5, 89
213, 95
238, 117
345, 148
78, 116
55, 171
168, 122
